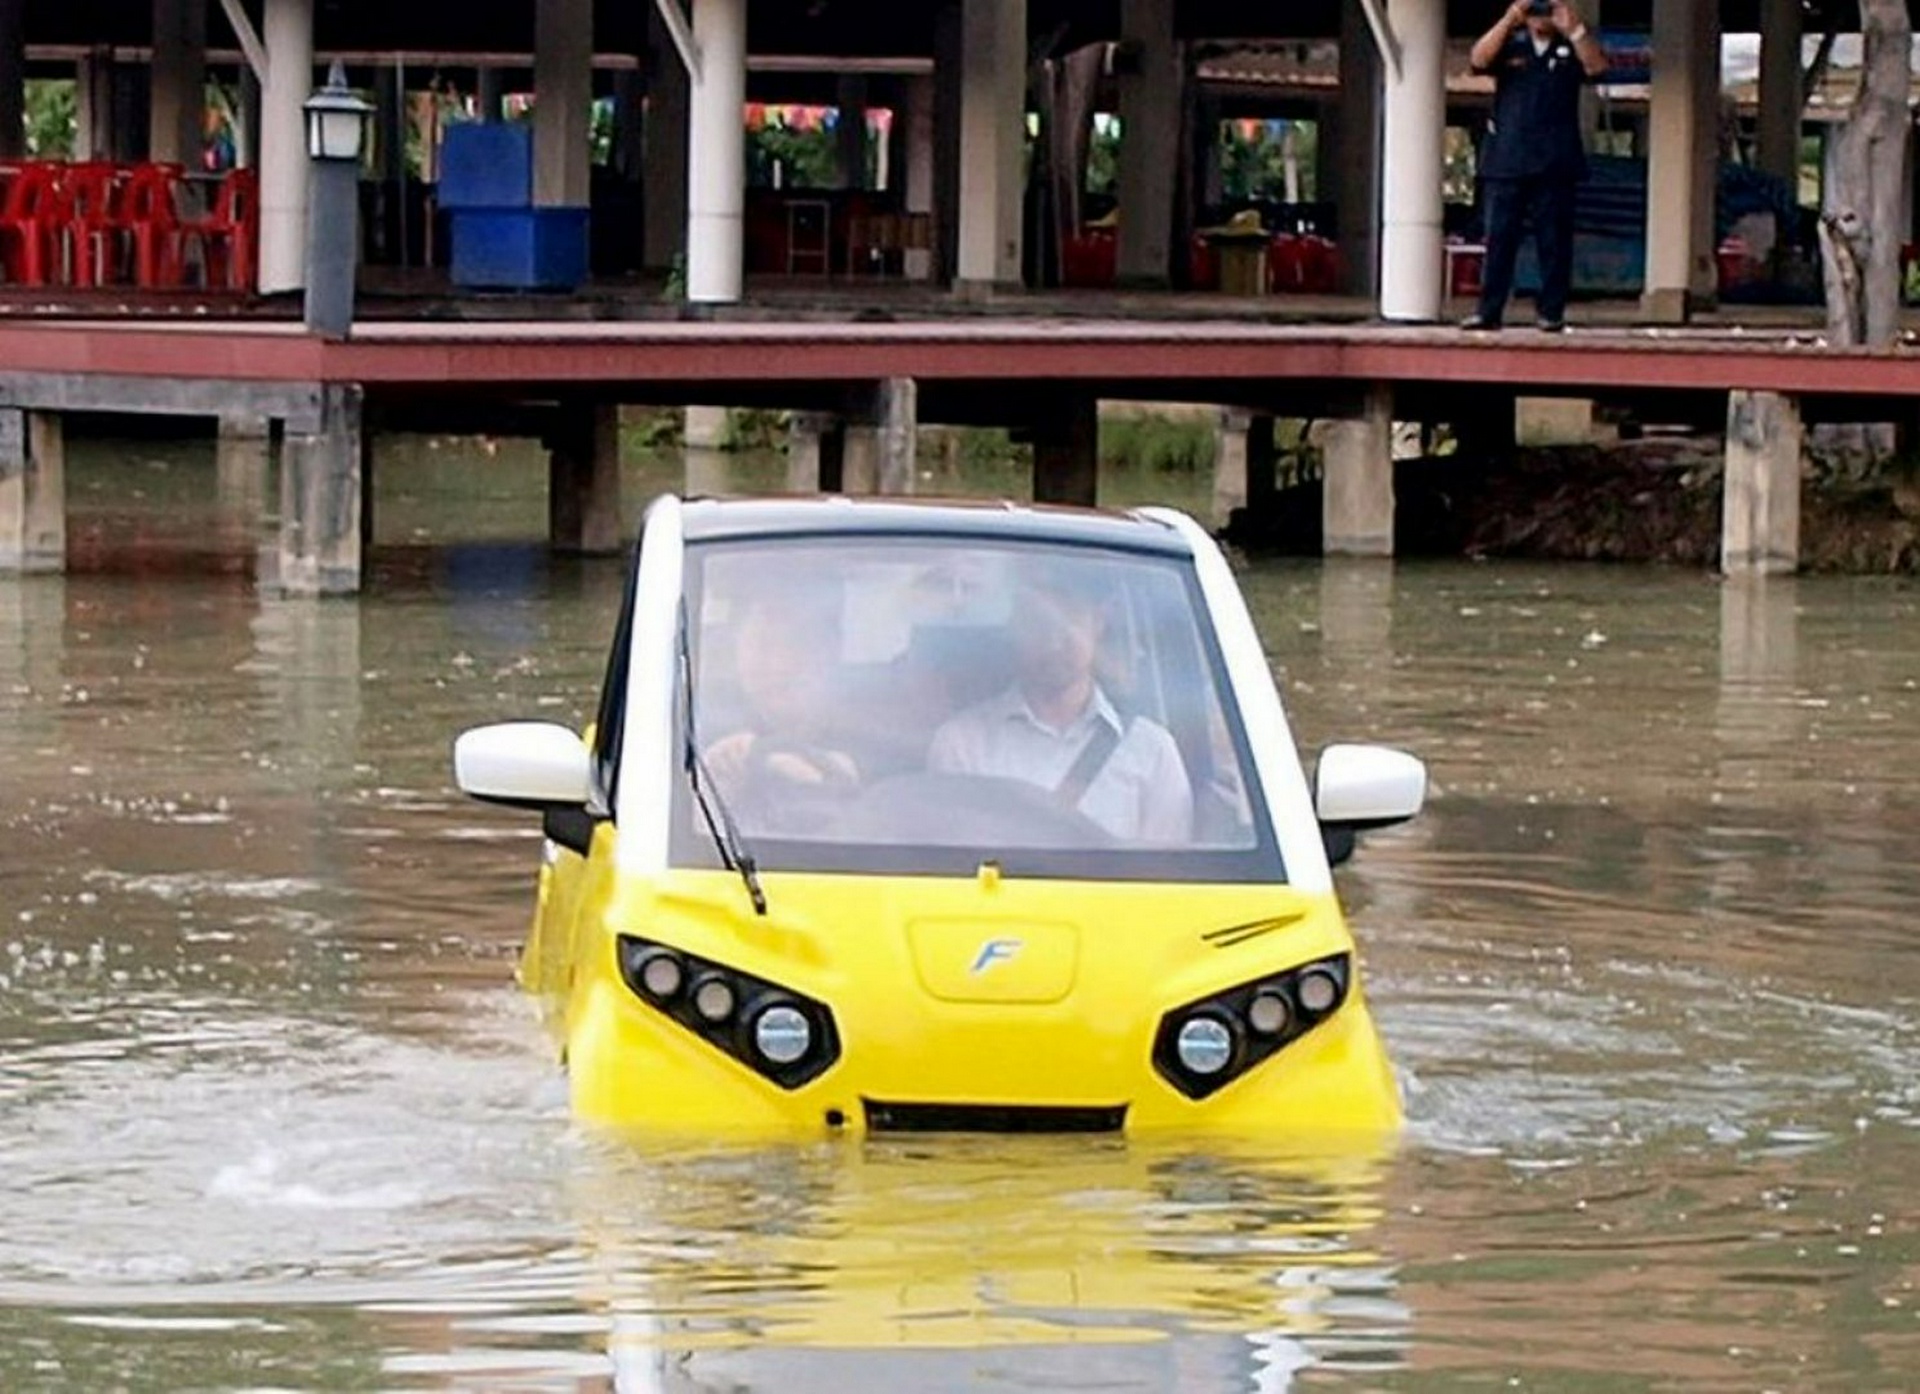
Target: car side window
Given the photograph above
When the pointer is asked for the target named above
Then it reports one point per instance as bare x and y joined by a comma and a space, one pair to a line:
610, 722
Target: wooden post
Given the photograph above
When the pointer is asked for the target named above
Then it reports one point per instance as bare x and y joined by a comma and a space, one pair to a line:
1760, 505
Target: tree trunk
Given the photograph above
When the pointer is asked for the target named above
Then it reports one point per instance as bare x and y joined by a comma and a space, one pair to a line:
1860, 225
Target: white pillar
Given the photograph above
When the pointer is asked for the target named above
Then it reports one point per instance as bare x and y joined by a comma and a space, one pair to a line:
717, 153
1760, 503
13, 78
1779, 115
1415, 124
177, 98
993, 130
286, 31
919, 178
1149, 142
562, 102
1685, 52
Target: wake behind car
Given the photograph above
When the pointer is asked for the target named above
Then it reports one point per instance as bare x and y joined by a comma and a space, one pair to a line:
908, 816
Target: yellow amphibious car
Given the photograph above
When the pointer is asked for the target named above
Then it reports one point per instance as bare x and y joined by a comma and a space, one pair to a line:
904, 816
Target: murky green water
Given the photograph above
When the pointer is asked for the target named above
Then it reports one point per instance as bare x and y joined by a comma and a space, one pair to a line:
272, 1114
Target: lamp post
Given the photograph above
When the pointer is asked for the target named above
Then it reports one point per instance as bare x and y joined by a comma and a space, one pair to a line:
336, 138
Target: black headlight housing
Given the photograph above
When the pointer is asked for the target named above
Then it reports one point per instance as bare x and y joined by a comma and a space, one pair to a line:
739, 1033
1228, 1024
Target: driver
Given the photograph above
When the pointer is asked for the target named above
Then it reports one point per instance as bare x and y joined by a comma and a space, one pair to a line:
783, 649
1056, 728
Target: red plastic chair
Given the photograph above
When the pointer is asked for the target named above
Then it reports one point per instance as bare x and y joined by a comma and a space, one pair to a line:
27, 224
1090, 259
226, 237
1203, 266
1286, 264
149, 226
1320, 264
88, 221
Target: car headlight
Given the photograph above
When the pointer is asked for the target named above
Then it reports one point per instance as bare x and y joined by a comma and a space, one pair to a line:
771, 1029
1205, 1044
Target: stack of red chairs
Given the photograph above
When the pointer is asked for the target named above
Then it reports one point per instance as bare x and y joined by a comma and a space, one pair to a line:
1090, 258
1303, 263
92, 223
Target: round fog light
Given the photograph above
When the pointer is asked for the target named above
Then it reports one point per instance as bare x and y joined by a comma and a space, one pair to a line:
1318, 990
782, 1034
713, 999
1204, 1045
1268, 1013
661, 974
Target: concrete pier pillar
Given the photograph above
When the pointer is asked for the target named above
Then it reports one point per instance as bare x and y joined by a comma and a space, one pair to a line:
563, 102
816, 452
1066, 453
583, 481
704, 428
664, 137
321, 518
1682, 135
1149, 140
897, 435
241, 463
178, 93
33, 493
1357, 502
993, 105
1413, 136
1243, 464
1780, 91
13, 79
1760, 508
717, 154
286, 31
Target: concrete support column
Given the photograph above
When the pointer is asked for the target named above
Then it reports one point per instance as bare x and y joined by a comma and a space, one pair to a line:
1681, 132
816, 453
178, 92
583, 481
1243, 465
286, 31
665, 136
1357, 502
993, 109
33, 492
1413, 125
717, 153
1760, 512
918, 120
897, 421
321, 483
1779, 114
13, 79
1350, 150
563, 102
1149, 140
1066, 453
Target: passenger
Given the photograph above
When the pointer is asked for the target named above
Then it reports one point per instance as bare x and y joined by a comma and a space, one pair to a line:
1055, 727
783, 650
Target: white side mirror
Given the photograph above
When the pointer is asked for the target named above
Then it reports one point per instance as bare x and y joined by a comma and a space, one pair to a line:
1368, 786
528, 764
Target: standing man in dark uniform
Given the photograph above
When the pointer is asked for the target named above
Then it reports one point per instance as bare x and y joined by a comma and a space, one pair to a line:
1540, 54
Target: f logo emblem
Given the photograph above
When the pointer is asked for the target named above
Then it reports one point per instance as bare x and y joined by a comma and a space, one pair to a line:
992, 952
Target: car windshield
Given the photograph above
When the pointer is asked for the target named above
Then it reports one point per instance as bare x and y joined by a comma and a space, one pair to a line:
923, 706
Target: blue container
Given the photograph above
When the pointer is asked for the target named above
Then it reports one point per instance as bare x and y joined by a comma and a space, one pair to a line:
519, 248
486, 165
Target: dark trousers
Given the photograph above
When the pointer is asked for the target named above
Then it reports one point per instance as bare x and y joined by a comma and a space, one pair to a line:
1545, 200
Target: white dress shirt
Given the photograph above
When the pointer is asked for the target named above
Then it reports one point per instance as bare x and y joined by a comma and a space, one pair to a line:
1141, 794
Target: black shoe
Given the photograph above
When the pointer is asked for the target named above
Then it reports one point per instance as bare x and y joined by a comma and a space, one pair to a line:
1551, 326
1480, 324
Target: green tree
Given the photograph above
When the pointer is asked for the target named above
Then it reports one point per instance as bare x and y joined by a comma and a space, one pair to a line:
53, 118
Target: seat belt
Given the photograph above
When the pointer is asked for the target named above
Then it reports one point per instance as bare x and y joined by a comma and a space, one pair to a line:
1086, 768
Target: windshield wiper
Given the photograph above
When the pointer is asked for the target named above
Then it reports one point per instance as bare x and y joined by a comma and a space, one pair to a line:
713, 808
